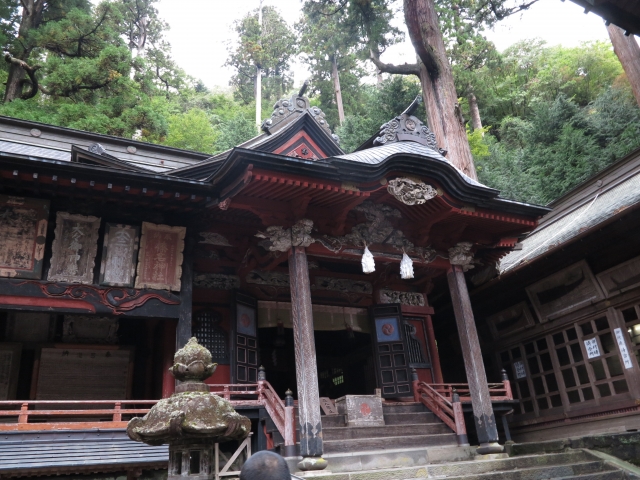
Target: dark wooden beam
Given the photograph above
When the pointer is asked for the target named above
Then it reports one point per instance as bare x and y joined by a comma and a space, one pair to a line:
483, 415
183, 333
311, 448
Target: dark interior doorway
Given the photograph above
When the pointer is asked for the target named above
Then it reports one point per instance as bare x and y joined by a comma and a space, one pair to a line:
344, 359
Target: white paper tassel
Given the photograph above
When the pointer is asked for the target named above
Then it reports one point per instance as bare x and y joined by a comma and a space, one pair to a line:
368, 263
406, 267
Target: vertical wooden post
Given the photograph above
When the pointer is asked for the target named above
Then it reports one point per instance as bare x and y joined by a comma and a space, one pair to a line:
458, 417
23, 417
306, 368
289, 425
483, 415
183, 333
168, 351
435, 355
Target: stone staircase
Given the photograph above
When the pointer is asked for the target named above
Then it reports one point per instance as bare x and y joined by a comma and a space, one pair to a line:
575, 465
407, 426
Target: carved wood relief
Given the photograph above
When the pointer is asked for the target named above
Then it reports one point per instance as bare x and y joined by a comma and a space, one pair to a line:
564, 291
74, 248
119, 254
510, 320
160, 259
23, 231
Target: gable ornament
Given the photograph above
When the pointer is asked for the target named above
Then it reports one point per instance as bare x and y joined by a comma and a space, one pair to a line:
411, 192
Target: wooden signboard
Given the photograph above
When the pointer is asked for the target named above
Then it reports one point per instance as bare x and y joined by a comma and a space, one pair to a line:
23, 231
564, 291
66, 372
160, 259
9, 369
119, 254
620, 278
74, 248
510, 320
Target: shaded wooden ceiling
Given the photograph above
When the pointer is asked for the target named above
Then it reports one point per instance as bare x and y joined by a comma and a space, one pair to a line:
623, 13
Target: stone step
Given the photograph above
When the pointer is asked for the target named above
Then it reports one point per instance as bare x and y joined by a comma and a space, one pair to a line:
403, 407
539, 472
365, 444
607, 475
409, 418
342, 433
329, 421
464, 469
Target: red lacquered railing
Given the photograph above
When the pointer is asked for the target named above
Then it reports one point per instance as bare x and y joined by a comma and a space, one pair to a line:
445, 401
37, 415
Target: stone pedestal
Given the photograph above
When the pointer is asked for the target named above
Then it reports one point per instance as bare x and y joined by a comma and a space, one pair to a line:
361, 410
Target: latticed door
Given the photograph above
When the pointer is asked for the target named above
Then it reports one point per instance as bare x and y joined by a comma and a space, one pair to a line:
244, 328
390, 351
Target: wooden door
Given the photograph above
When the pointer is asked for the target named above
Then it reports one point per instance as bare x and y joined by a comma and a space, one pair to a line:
244, 339
416, 334
391, 353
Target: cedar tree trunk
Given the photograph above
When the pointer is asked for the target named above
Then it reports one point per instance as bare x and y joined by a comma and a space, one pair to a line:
438, 89
628, 53
476, 121
336, 87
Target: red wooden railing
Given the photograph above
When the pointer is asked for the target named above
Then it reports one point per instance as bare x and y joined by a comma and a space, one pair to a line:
445, 401
38, 415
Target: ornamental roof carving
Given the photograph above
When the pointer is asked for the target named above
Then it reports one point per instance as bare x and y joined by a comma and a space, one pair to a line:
296, 106
407, 128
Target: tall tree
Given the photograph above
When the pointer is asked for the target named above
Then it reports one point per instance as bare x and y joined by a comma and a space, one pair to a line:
628, 53
271, 48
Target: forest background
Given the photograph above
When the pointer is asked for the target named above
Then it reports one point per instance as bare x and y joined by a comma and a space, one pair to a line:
540, 119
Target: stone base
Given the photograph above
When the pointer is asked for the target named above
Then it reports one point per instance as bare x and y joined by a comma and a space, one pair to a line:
312, 463
361, 410
487, 448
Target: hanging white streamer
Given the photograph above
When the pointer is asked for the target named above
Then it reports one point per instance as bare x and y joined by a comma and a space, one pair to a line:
368, 263
406, 267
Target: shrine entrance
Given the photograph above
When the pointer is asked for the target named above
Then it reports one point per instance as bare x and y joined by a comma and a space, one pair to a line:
344, 361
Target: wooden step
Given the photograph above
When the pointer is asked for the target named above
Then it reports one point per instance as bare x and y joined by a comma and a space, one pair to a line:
367, 444
342, 433
410, 418
329, 421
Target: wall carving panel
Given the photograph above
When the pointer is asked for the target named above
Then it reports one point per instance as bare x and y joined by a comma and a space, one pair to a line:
403, 298
119, 254
74, 248
23, 231
160, 259
216, 281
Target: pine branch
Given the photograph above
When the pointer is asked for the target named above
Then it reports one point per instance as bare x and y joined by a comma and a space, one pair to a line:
31, 72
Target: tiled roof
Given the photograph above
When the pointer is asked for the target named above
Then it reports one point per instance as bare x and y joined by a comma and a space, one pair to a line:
595, 208
379, 154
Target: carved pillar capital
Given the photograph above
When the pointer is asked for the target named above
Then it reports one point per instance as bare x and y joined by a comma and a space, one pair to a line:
461, 255
280, 239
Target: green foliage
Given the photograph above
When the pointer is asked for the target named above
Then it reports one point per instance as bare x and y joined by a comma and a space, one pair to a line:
191, 131
559, 145
479, 147
271, 48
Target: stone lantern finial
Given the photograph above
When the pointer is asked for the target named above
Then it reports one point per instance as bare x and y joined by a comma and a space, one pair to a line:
192, 420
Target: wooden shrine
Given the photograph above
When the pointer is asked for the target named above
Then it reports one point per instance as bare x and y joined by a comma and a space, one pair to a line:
283, 252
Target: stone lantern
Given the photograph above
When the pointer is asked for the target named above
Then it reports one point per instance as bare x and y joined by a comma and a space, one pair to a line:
192, 421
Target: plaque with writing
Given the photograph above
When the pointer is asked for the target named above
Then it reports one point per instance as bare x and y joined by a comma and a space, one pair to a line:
160, 259
69, 373
9, 369
591, 346
74, 248
510, 321
119, 253
624, 352
519, 369
23, 232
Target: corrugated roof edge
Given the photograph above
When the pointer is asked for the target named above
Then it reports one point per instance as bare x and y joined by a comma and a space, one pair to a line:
91, 135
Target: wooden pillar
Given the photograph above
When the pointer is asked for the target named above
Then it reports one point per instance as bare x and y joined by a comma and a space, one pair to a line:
183, 333
306, 368
483, 415
168, 351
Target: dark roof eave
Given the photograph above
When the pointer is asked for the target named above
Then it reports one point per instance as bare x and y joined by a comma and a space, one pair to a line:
341, 170
48, 165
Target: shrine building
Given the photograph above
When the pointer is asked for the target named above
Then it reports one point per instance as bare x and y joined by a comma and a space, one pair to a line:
310, 274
